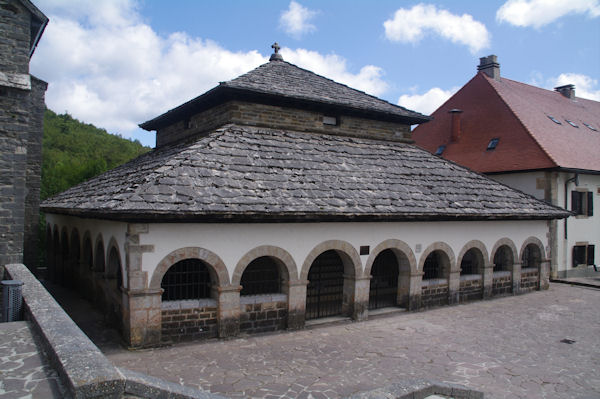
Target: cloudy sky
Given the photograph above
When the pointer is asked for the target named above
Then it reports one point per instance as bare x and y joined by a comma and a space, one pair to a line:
117, 63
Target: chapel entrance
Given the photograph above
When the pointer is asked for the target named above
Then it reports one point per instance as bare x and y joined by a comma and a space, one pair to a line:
384, 281
325, 291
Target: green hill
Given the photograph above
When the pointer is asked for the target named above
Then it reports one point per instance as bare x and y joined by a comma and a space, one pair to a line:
74, 151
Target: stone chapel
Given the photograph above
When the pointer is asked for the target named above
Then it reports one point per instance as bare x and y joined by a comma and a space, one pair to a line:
281, 198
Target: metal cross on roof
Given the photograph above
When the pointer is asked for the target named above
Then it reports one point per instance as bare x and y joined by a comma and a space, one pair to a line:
276, 56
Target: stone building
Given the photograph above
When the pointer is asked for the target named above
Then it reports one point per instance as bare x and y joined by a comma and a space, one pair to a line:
281, 197
21, 118
540, 141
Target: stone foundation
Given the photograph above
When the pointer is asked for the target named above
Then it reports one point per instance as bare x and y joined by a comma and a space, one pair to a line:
502, 283
262, 313
434, 293
471, 288
529, 280
189, 320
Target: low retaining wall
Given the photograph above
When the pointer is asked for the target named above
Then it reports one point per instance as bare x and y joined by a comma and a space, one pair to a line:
529, 280
434, 293
189, 320
262, 313
471, 288
84, 370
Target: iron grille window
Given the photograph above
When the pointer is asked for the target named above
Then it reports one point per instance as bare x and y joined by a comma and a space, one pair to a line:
502, 259
432, 267
531, 256
186, 279
261, 277
468, 265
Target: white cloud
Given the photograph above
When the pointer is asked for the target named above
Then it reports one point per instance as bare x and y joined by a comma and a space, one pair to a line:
295, 21
105, 66
411, 25
428, 102
369, 78
538, 13
585, 86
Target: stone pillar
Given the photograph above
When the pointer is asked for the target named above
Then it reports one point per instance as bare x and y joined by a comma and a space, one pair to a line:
141, 306
544, 274
488, 280
360, 310
296, 304
453, 287
142, 317
516, 278
349, 290
228, 313
414, 296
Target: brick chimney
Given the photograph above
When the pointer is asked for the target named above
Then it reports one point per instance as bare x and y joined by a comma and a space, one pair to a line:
489, 65
566, 90
455, 132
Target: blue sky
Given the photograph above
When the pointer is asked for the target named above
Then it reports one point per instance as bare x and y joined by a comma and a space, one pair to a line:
119, 63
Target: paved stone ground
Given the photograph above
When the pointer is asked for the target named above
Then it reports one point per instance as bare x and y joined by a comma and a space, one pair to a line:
508, 347
24, 370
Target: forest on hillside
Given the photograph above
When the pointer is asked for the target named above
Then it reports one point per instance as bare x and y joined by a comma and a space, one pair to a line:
74, 151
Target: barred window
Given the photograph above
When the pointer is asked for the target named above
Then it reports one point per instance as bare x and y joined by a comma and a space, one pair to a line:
261, 277
503, 259
186, 279
433, 267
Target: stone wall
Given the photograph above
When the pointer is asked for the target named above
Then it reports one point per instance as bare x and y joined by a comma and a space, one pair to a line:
262, 313
502, 283
21, 118
253, 114
189, 320
529, 279
434, 293
471, 288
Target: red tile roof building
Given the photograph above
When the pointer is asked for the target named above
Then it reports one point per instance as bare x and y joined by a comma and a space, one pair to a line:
543, 142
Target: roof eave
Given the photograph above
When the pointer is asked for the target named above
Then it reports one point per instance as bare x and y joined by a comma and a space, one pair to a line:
223, 93
291, 217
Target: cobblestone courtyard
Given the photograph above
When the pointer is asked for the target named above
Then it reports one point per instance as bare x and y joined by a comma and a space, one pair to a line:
509, 348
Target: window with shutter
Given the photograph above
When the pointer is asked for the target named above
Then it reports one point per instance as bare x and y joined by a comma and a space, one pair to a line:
590, 255
590, 203
576, 202
579, 255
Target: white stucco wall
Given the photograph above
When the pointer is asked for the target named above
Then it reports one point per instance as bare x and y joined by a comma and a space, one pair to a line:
232, 241
581, 229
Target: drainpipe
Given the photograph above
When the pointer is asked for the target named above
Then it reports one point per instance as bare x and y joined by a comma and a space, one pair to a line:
572, 179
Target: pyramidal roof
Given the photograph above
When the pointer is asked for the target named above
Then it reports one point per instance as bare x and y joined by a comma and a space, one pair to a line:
244, 173
288, 84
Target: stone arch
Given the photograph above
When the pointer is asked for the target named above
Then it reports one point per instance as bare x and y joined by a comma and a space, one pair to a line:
505, 242
400, 248
99, 255
75, 256
439, 246
533, 241
217, 267
114, 258
477, 245
87, 251
347, 252
279, 254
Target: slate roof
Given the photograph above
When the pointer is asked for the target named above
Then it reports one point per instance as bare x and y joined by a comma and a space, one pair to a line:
287, 83
518, 115
246, 173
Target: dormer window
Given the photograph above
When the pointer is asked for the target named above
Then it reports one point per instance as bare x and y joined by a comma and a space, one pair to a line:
572, 123
492, 144
590, 127
330, 120
553, 119
440, 150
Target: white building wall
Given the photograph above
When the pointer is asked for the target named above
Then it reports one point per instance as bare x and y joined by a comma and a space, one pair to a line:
581, 229
232, 241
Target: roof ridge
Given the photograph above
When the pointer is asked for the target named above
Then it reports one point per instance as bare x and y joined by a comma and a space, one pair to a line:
516, 114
